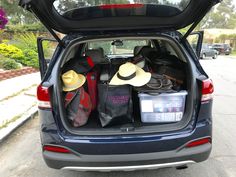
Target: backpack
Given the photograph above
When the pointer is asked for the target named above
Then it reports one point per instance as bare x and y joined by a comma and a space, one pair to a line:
78, 107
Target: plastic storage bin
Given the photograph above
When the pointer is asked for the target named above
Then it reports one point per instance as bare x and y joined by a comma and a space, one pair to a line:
162, 108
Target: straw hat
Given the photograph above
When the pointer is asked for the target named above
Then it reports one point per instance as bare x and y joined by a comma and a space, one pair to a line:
130, 74
72, 80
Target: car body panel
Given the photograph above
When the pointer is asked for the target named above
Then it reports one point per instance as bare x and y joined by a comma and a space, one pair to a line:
128, 161
112, 151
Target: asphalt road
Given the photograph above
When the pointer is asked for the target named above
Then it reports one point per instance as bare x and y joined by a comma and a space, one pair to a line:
20, 154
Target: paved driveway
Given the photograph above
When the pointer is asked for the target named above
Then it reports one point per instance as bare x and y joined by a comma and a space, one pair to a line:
20, 155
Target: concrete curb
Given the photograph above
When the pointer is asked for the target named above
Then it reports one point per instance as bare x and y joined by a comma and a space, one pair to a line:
5, 132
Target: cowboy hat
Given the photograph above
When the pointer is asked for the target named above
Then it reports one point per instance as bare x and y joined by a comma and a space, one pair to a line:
131, 74
72, 80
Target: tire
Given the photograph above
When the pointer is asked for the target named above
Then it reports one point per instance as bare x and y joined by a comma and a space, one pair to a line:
215, 56
203, 56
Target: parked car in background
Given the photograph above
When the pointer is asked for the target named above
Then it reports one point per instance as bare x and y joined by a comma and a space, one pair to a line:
222, 48
208, 51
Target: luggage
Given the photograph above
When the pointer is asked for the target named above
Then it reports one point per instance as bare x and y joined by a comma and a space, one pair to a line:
162, 108
108, 71
92, 87
115, 104
78, 106
157, 84
79, 65
174, 74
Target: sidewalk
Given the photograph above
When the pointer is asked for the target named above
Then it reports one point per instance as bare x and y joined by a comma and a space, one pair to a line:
12, 86
17, 101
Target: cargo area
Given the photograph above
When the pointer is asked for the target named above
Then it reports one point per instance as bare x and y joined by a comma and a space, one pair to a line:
159, 105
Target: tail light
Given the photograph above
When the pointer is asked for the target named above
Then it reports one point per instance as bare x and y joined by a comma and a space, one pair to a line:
207, 90
55, 149
43, 97
121, 6
198, 142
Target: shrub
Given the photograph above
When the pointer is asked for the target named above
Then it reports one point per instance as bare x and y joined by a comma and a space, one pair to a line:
9, 64
27, 57
5, 41
29, 41
26, 27
26, 41
11, 51
30, 58
28, 44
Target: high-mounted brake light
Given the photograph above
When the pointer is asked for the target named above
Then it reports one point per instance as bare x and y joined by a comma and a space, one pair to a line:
207, 90
120, 6
43, 97
198, 142
55, 149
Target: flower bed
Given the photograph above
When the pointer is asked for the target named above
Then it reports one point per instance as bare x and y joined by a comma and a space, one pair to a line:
7, 74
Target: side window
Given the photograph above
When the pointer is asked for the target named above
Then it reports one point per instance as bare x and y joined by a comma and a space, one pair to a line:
195, 40
46, 49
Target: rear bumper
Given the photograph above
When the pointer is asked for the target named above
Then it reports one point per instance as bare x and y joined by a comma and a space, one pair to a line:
126, 152
130, 168
127, 162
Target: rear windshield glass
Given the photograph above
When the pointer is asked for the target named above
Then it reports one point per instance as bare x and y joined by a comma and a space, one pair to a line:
85, 9
118, 47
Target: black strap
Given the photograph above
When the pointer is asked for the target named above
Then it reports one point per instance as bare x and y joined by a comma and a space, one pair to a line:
75, 94
126, 78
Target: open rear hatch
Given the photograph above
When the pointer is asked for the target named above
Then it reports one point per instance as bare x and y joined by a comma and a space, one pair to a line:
157, 106
105, 15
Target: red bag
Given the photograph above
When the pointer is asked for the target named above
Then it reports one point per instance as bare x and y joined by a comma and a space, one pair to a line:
92, 87
78, 107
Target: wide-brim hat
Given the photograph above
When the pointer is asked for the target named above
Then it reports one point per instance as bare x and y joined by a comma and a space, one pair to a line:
72, 80
130, 74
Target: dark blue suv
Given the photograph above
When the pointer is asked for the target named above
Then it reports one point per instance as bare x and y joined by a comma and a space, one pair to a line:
110, 32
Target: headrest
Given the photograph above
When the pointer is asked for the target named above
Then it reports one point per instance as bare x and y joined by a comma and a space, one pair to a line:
144, 50
137, 50
79, 65
97, 55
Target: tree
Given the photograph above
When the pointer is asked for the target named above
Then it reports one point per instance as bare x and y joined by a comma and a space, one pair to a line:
223, 16
16, 14
183, 4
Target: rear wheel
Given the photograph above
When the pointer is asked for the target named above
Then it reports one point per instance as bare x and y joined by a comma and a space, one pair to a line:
215, 56
204, 56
